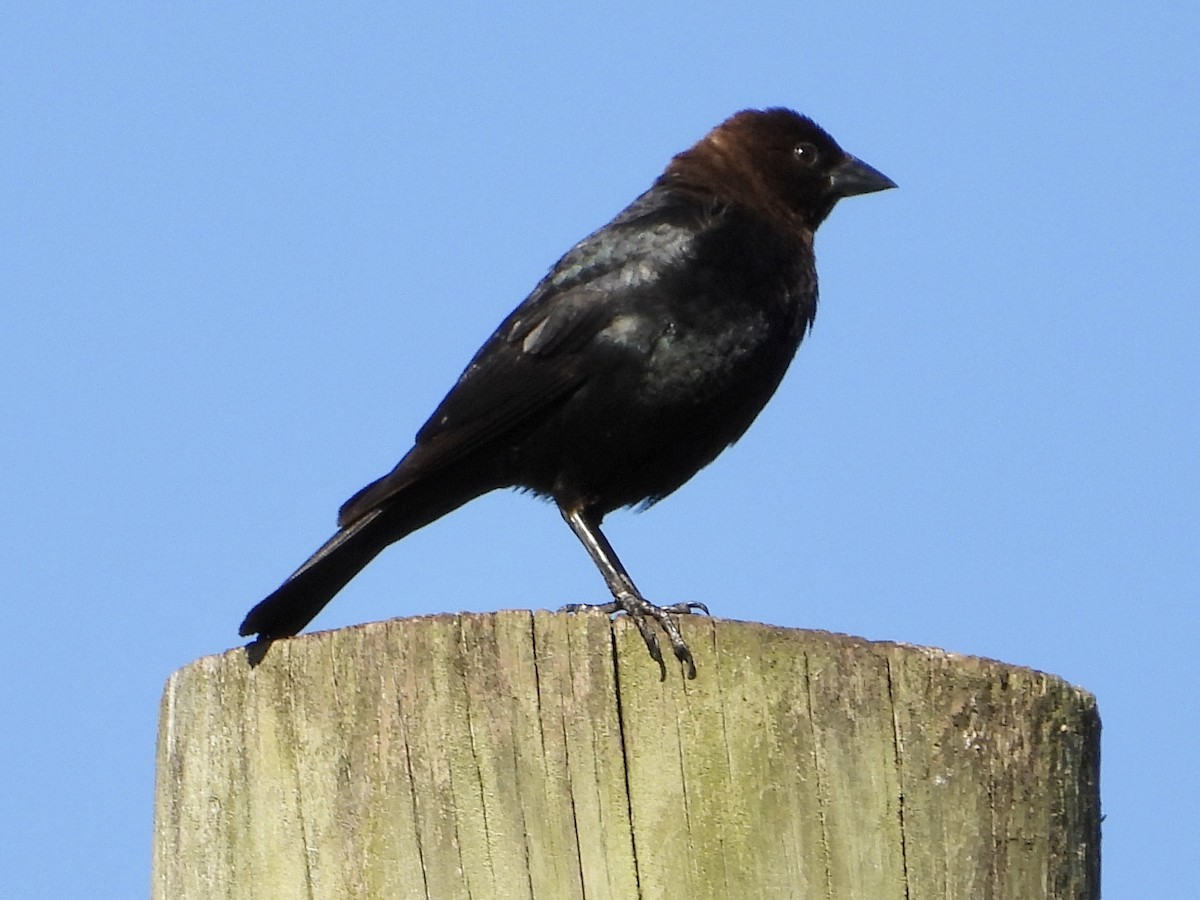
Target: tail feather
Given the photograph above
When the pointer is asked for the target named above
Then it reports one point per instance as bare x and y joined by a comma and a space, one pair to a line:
297, 601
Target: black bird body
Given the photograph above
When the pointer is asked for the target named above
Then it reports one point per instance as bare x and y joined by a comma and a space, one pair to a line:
647, 349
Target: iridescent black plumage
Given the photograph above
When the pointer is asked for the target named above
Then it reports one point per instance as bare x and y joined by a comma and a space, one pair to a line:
647, 349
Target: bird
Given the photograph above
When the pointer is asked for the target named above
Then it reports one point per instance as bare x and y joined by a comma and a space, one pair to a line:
644, 352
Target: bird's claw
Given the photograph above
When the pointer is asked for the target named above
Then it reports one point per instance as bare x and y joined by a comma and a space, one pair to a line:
641, 610
686, 609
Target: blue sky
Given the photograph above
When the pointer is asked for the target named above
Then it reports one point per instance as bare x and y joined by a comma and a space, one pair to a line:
246, 249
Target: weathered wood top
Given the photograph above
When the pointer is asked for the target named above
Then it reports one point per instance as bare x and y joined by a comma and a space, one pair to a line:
522, 754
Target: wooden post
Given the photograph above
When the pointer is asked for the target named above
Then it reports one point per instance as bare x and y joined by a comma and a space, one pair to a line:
538, 755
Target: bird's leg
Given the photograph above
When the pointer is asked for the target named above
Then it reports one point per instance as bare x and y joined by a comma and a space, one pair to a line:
626, 597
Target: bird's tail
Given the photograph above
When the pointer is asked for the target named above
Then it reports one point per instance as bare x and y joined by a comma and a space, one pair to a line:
298, 600
307, 590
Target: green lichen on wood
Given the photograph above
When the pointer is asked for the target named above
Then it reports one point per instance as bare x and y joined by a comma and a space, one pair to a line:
539, 755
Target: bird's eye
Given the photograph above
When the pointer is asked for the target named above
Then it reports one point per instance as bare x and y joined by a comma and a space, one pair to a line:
805, 154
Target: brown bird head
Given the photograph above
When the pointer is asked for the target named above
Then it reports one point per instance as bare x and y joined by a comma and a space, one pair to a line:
777, 163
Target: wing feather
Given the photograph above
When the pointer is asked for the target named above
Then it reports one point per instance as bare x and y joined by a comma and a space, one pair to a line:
534, 361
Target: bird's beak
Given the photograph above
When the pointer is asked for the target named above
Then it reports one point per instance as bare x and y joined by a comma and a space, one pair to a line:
855, 177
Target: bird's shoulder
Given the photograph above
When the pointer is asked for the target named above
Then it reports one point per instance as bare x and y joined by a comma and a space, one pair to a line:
533, 358
657, 232
598, 278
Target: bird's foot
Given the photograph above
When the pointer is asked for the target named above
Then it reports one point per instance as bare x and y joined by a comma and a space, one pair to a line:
642, 611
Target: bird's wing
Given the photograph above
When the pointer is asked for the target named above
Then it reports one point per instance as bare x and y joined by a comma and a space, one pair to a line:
534, 361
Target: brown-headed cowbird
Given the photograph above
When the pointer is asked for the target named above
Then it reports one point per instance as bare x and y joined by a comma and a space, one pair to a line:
647, 350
